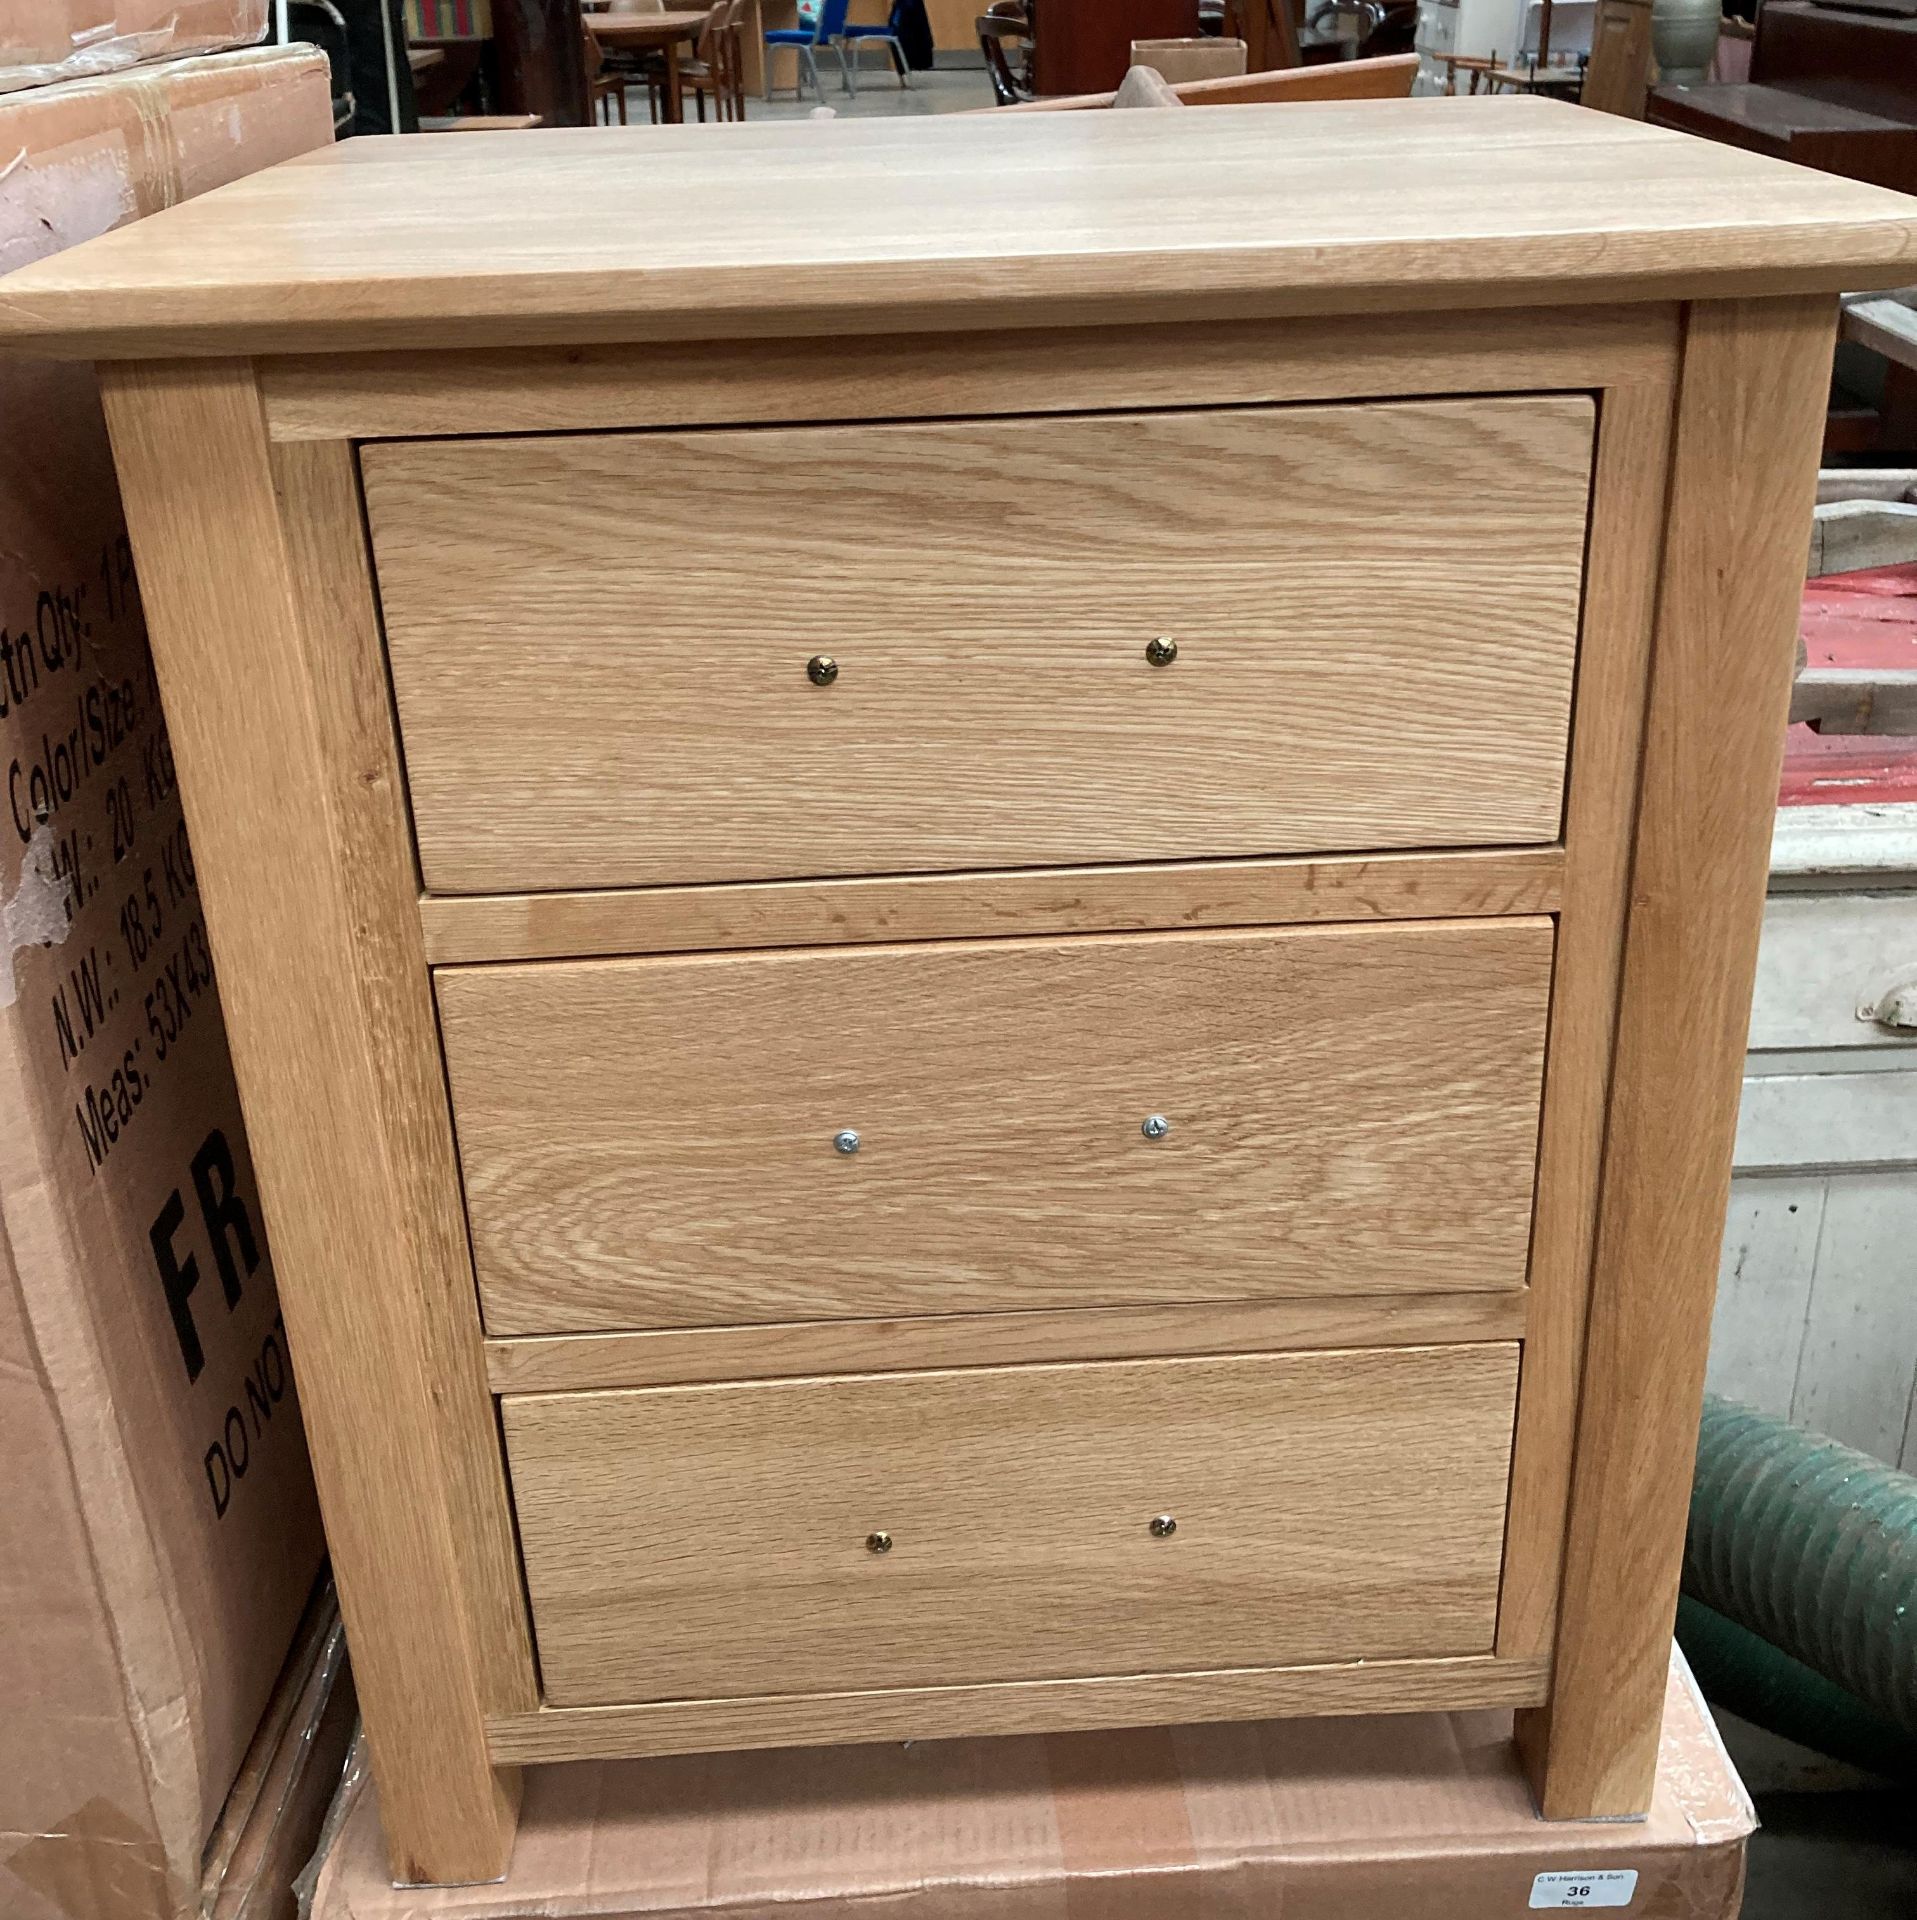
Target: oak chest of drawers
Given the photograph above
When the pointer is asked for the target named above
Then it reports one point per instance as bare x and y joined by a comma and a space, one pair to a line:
986, 892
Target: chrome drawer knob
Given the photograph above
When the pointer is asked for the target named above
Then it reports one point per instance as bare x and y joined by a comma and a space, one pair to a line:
878, 1543
1163, 1526
846, 1141
1155, 1126
1162, 651
822, 669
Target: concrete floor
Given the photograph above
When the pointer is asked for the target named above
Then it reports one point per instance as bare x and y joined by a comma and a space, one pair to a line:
945, 89
1835, 1844
1833, 1856
949, 89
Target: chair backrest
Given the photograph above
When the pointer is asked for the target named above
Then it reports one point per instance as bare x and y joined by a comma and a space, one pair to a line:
831, 21
1572, 22
1006, 90
705, 46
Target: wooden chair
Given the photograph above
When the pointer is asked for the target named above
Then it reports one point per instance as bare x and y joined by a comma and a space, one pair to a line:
631, 65
1476, 67
1386, 78
733, 40
604, 84
717, 65
1005, 39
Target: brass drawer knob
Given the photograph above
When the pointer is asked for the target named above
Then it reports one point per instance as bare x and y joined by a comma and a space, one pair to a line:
1154, 1126
1162, 651
1163, 1526
822, 669
878, 1543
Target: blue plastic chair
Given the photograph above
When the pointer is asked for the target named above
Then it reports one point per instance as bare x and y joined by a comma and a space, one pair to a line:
827, 29
855, 37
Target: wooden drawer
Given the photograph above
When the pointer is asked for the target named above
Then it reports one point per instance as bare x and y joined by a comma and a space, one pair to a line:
716, 1541
600, 643
653, 1142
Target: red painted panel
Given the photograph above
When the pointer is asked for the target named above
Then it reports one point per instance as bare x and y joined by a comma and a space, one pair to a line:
1864, 619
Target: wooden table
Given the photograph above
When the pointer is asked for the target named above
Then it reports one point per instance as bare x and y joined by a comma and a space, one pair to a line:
663, 31
1527, 79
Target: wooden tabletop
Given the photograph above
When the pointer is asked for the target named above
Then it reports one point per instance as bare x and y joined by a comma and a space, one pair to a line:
577, 234
1564, 76
644, 29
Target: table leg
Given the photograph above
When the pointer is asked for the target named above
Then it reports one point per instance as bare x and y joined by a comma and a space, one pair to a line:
752, 62
777, 67
675, 108
541, 57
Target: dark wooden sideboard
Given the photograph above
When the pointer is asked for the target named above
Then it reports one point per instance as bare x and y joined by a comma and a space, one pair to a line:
1084, 46
1832, 88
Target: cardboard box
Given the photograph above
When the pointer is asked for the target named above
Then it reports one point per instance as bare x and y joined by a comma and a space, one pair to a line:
158, 1531
79, 159
1425, 1816
43, 42
1181, 60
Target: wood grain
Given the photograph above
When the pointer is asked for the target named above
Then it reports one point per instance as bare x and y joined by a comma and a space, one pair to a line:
943, 906
318, 492
327, 1005
577, 715
1634, 439
1743, 477
695, 1542
1032, 1706
650, 1142
577, 1362
873, 225
368, 396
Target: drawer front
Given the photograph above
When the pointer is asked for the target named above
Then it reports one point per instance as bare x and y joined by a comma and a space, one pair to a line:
717, 1541
600, 644
655, 1142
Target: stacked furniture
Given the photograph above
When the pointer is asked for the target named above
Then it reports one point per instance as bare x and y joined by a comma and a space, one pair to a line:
1066, 1094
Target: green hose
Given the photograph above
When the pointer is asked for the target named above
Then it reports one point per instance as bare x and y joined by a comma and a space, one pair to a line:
1750, 1677
1812, 1546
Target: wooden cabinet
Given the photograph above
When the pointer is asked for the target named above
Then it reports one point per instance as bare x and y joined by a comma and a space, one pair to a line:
1084, 46
1271, 883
